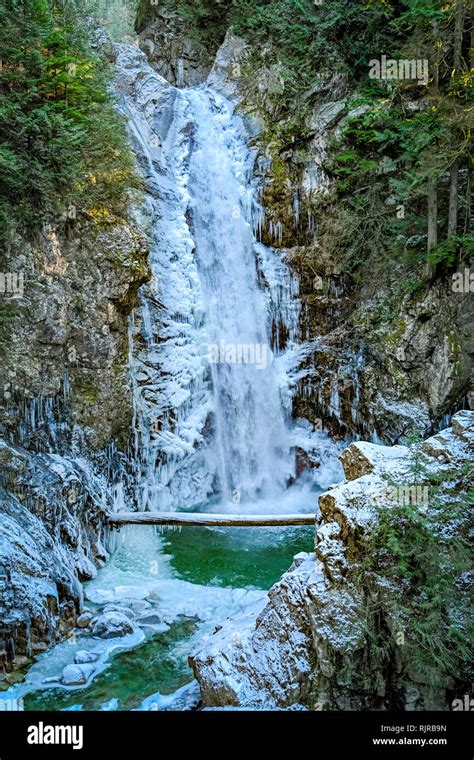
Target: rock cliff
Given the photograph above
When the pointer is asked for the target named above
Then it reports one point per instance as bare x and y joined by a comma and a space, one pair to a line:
384, 365
330, 636
66, 417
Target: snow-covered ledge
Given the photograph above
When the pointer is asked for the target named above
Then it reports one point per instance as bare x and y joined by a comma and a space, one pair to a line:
307, 646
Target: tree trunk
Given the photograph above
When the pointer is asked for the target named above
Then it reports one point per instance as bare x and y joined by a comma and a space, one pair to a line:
471, 22
201, 518
458, 30
430, 269
432, 214
454, 177
432, 193
470, 173
453, 199
435, 34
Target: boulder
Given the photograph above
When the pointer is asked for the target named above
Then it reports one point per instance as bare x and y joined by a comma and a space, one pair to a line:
83, 656
112, 625
74, 675
363, 458
84, 620
462, 425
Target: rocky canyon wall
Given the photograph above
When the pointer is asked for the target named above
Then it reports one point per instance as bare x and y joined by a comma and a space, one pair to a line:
66, 417
383, 366
334, 634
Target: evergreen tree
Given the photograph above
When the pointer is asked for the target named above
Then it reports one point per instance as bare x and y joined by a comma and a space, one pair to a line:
61, 142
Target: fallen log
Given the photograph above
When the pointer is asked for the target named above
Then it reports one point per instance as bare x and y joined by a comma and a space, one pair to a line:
202, 518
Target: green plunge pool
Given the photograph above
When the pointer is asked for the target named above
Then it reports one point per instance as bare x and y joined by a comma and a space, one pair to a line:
194, 577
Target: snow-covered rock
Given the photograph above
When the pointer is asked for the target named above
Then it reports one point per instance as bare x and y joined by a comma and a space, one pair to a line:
73, 675
154, 621
112, 625
187, 697
84, 620
83, 656
362, 458
308, 644
118, 608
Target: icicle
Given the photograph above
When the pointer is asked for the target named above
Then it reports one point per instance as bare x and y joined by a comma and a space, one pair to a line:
296, 207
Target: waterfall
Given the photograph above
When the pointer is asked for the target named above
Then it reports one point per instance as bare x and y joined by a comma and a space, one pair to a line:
211, 371
251, 443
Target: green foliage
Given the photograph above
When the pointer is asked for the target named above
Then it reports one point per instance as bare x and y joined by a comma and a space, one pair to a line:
446, 251
308, 37
390, 153
426, 553
61, 142
409, 547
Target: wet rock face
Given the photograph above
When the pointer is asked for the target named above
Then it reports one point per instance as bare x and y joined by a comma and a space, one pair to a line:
370, 376
65, 415
67, 338
308, 645
380, 381
172, 47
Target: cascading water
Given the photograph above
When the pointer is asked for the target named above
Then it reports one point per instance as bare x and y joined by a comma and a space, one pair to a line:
212, 395
251, 439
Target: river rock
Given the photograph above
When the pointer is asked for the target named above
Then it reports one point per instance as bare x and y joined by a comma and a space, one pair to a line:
73, 675
112, 625
83, 656
118, 608
84, 620
151, 619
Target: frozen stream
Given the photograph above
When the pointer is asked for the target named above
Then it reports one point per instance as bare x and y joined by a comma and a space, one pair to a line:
190, 580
